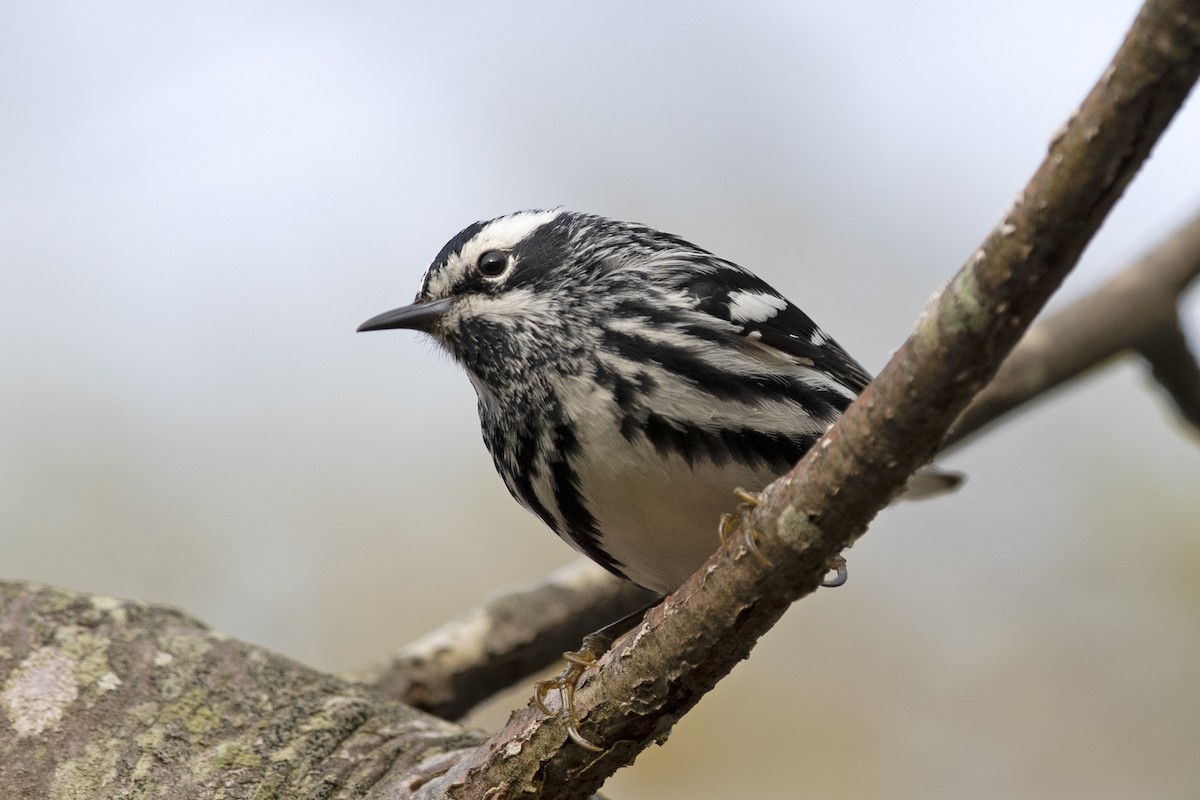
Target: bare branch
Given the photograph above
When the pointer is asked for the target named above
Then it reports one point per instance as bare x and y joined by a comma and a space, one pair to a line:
697, 634
1136, 310
1174, 367
452, 669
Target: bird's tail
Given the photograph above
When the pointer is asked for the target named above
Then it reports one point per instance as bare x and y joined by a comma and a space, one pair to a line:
930, 482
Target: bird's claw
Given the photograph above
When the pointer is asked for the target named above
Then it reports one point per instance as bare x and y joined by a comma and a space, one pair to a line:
739, 523
566, 682
839, 565
748, 498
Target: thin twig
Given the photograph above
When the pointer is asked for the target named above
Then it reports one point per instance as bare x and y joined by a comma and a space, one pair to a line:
1174, 366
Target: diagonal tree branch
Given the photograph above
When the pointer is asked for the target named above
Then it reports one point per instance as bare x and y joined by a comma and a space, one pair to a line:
701, 631
1136, 310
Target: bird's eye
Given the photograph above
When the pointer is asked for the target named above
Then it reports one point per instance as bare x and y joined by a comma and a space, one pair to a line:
493, 263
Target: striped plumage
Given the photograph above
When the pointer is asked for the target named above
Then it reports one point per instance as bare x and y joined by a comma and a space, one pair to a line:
628, 380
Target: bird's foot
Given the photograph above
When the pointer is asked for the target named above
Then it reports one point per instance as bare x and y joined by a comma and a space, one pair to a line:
594, 646
739, 524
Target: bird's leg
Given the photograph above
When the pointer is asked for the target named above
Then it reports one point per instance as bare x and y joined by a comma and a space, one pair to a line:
579, 661
739, 523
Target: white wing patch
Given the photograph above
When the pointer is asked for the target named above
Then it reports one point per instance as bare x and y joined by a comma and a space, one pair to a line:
754, 306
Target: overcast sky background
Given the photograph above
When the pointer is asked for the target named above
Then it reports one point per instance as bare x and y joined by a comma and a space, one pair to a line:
199, 202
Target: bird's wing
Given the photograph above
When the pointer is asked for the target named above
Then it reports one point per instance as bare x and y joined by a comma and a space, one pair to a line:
768, 318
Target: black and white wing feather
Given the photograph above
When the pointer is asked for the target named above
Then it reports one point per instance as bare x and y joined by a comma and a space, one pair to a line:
764, 316
734, 295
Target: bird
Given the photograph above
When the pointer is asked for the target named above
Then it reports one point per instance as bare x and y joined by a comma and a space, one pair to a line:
628, 381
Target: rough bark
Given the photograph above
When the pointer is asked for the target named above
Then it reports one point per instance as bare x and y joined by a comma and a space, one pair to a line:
105, 698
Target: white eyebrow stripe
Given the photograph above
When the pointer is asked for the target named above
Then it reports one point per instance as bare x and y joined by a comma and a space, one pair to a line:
754, 306
502, 233
505, 233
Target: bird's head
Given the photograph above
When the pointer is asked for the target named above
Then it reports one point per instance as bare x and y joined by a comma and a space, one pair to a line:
534, 289
498, 272
517, 288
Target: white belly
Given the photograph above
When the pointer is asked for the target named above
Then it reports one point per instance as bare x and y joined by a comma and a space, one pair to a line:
658, 516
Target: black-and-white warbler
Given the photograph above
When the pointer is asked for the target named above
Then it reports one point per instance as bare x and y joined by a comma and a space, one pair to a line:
629, 381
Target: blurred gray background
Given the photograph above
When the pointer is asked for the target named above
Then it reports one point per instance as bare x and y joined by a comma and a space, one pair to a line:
200, 201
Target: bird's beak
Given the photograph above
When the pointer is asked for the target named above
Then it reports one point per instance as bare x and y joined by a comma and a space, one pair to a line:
418, 316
